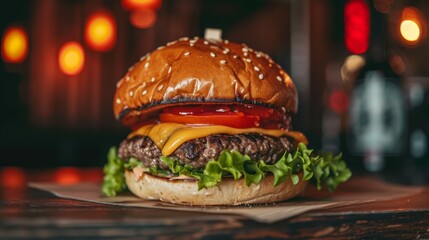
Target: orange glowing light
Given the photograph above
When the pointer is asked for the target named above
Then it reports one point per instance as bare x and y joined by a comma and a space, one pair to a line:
14, 45
12, 177
410, 30
143, 18
100, 31
67, 175
411, 27
132, 5
71, 58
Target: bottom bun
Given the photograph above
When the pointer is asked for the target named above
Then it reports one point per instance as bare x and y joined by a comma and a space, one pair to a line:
227, 192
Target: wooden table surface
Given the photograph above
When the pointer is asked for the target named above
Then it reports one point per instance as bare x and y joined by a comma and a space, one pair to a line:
29, 214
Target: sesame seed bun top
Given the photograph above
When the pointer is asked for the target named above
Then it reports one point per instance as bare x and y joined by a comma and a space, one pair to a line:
201, 71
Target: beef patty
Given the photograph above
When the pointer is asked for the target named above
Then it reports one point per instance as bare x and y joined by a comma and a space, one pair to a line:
199, 151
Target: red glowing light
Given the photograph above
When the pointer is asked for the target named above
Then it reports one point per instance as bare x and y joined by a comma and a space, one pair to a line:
100, 31
339, 101
71, 58
67, 175
143, 18
14, 45
356, 20
132, 5
12, 177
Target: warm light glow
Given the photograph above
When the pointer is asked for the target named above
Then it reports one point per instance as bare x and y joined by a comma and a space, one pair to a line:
100, 31
12, 177
141, 4
356, 23
67, 175
339, 101
71, 58
14, 45
410, 31
143, 18
351, 67
412, 27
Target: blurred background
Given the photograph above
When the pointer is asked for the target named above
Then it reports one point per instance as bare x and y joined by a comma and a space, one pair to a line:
361, 69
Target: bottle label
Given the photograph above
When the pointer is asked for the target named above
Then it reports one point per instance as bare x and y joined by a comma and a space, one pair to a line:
377, 118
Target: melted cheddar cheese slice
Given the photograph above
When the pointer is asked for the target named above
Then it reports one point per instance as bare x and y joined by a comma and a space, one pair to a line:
169, 136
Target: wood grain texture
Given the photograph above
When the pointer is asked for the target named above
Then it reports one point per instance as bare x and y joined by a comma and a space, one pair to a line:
29, 214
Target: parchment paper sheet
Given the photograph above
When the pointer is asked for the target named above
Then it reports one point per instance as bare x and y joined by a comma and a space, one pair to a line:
356, 191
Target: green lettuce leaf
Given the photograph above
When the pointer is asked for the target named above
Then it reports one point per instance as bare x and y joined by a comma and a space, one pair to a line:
325, 170
113, 181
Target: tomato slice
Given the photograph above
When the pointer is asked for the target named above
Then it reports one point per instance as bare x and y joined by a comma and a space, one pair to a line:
198, 109
236, 120
263, 112
233, 115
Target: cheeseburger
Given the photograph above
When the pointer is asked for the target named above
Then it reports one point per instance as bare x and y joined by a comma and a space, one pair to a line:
211, 125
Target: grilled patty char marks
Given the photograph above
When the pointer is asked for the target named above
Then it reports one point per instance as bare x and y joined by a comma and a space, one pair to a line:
199, 151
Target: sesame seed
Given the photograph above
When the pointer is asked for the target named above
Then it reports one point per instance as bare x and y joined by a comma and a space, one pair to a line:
169, 70
184, 39
256, 68
131, 93
244, 49
205, 42
186, 53
160, 87
118, 84
261, 76
279, 78
212, 54
144, 92
146, 65
222, 62
241, 90
245, 54
235, 56
145, 56
226, 51
127, 78
118, 101
191, 44
171, 43
143, 84
226, 41
160, 47
248, 60
152, 79
258, 55
131, 68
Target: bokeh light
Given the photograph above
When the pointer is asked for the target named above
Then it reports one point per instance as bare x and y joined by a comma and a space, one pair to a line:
67, 175
356, 23
100, 31
132, 5
411, 27
12, 177
143, 18
339, 101
410, 30
71, 58
14, 45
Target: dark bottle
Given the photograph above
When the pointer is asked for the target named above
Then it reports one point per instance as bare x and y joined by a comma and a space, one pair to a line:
417, 165
377, 120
